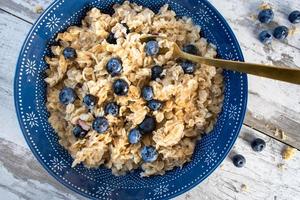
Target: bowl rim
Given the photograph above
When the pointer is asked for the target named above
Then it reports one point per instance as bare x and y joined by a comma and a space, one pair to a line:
243, 113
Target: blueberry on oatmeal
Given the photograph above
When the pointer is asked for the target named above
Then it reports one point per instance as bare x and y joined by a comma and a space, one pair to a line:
111, 38
67, 95
265, 37
156, 72
280, 32
120, 87
147, 93
154, 105
114, 66
190, 48
127, 28
70, 53
100, 124
187, 66
152, 48
148, 125
294, 17
266, 16
90, 101
79, 132
134, 136
112, 108
149, 154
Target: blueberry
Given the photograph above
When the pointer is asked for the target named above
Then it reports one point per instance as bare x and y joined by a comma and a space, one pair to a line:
149, 154
265, 37
79, 132
152, 48
258, 145
70, 53
280, 32
127, 28
111, 38
90, 101
134, 136
114, 66
147, 93
120, 87
156, 72
154, 104
266, 16
190, 48
239, 160
112, 108
294, 17
148, 125
188, 67
100, 124
67, 95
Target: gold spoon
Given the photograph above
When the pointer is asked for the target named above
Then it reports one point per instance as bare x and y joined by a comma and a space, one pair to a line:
278, 73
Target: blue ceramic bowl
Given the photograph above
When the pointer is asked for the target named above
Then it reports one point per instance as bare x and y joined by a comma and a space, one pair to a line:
30, 99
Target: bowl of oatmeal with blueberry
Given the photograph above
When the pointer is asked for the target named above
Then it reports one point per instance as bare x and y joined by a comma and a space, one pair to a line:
130, 117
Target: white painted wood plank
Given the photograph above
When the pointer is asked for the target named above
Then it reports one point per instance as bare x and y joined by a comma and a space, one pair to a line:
270, 102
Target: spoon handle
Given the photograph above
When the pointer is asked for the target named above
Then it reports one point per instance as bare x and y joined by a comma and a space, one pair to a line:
278, 73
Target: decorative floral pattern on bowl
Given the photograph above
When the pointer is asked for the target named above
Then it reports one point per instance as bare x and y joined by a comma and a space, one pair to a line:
30, 99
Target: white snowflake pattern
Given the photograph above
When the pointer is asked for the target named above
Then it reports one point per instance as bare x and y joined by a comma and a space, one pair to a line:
104, 191
58, 164
204, 16
233, 111
161, 189
31, 119
229, 56
30, 67
53, 22
210, 157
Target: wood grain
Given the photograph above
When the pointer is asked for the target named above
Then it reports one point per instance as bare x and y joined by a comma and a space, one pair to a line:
270, 102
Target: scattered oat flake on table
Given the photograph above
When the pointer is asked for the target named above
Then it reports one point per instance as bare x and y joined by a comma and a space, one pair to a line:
283, 136
244, 188
281, 166
265, 6
294, 30
288, 153
38, 9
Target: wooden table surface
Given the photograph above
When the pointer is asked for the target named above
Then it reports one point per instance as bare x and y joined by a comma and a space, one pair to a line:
273, 114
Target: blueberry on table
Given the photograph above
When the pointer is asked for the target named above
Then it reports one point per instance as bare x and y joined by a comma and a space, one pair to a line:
239, 160
100, 124
79, 132
154, 105
148, 125
90, 101
152, 48
294, 17
114, 66
111, 38
134, 136
69, 53
67, 95
149, 154
112, 108
280, 32
120, 87
156, 72
188, 67
265, 37
190, 48
258, 145
147, 93
266, 16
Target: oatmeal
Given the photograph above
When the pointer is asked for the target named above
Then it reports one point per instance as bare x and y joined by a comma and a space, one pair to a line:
117, 102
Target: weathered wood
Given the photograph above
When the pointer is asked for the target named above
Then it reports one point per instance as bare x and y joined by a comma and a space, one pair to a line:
270, 102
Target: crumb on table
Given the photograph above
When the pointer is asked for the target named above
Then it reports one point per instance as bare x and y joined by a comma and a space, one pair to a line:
281, 166
38, 9
288, 153
244, 188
